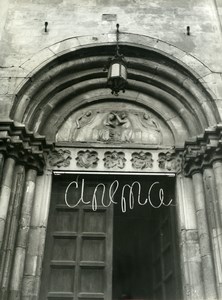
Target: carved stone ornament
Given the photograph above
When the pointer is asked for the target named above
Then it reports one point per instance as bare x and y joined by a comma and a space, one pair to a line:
87, 159
127, 127
202, 151
23, 145
114, 159
114, 126
142, 160
169, 161
59, 158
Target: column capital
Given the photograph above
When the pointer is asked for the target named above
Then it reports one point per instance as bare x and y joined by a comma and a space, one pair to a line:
203, 150
25, 146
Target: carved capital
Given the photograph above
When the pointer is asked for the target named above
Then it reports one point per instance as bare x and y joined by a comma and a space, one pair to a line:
201, 152
24, 146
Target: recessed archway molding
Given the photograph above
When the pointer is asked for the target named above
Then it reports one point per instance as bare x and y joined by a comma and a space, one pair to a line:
69, 76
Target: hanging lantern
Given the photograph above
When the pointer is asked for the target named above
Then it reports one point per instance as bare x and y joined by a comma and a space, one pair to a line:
117, 70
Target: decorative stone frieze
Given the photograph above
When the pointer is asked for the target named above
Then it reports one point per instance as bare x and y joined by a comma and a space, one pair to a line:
170, 161
69, 159
59, 158
114, 159
26, 147
142, 160
87, 159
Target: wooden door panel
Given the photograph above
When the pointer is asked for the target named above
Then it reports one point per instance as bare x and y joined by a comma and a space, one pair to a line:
94, 221
64, 248
165, 285
94, 257
66, 219
77, 255
167, 261
61, 279
91, 280
93, 250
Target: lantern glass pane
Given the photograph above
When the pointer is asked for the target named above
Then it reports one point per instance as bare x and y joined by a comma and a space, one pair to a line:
123, 72
115, 70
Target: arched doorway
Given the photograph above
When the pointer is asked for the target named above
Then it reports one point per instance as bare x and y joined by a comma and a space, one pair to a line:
141, 133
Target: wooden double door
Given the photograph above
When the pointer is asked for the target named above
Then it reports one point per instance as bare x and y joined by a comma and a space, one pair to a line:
111, 237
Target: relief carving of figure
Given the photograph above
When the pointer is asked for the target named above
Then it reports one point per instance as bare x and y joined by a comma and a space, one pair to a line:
116, 127
83, 119
142, 160
149, 122
59, 158
114, 159
105, 133
127, 132
79, 132
87, 159
152, 133
170, 161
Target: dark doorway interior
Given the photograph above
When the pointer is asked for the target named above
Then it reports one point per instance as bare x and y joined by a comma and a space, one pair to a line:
145, 264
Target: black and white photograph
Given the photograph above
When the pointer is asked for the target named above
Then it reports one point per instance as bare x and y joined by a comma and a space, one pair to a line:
110, 149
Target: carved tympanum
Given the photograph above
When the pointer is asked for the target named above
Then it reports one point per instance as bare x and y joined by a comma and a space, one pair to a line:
87, 159
114, 159
142, 160
113, 126
59, 158
128, 127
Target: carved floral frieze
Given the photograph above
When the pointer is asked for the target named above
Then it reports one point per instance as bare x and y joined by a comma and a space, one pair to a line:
169, 161
87, 159
59, 158
114, 159
128, 160
142, 160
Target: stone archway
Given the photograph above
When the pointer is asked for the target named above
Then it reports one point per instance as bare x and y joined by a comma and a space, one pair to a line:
164, 82
169, 83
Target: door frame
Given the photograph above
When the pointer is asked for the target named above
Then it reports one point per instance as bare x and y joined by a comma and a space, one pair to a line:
68, 160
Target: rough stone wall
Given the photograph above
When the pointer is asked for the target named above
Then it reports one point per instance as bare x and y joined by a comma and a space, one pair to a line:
22, 31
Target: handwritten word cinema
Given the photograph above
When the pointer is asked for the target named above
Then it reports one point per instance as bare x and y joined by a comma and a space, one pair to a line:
129, 194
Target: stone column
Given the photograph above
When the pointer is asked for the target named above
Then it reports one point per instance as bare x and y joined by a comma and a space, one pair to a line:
204, 238
217, 168
213, 213
1, 165
5, 193
22, 238
189, 244
37, 234
11, 229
